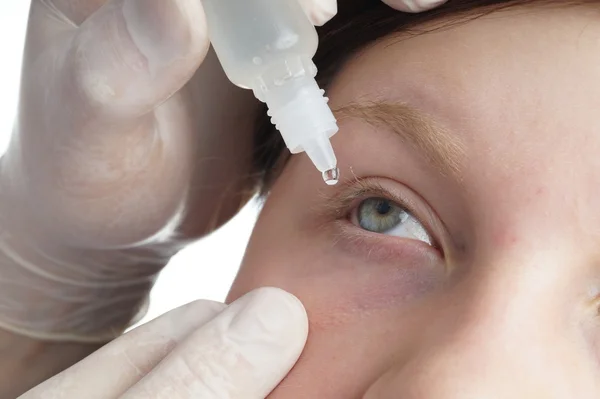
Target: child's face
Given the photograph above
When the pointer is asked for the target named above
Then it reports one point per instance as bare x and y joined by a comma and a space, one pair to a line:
490, 287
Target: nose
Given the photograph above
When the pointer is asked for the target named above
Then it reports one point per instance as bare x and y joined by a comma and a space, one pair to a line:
510, 334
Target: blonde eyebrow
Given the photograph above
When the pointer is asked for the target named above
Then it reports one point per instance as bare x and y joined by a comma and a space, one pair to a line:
439, 147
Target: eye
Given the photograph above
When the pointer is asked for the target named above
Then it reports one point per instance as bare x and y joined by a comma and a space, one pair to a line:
383, 216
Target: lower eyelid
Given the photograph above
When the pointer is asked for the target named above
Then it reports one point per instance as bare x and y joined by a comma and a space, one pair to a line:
381, 248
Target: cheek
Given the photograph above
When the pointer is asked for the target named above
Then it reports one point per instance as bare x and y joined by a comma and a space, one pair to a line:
341, 362
338, 286
363, 318
348, 347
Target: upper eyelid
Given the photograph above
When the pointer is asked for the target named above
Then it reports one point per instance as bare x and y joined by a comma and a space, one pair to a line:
356, 189
366, 189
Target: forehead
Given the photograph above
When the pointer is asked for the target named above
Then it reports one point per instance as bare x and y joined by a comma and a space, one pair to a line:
522, 67
521, 88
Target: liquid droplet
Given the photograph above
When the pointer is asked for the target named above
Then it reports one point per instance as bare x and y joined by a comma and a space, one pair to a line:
331, 176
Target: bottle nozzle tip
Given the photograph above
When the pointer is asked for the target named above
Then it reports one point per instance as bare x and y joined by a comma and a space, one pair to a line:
331, 176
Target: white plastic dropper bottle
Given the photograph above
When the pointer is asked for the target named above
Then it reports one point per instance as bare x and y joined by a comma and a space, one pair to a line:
268, 46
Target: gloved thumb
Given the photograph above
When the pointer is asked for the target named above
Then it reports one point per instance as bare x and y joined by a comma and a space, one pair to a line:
131, 55
201, 350
244, 352
414, 5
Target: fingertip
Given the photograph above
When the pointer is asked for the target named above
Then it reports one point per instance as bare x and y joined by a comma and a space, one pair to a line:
319, 11
279, 307
414, 6
269, 330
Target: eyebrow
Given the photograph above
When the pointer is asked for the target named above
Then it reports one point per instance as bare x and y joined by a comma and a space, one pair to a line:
440, 148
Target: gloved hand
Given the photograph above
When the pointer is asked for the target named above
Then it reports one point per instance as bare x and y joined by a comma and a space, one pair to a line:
123, 152
414, 5
196, 351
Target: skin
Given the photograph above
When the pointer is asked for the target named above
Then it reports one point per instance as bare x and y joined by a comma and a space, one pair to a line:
122, 155
508, 307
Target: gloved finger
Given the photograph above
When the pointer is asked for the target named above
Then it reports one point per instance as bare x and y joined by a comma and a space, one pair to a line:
116, 367
131, 55
414, 5
244, 352
319, 11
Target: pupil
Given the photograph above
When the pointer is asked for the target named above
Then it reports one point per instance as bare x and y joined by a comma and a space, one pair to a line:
383, 207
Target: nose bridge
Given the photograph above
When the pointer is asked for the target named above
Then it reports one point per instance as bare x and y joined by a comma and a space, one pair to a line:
506, 330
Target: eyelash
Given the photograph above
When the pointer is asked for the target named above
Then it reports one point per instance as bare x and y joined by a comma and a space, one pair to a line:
341, 206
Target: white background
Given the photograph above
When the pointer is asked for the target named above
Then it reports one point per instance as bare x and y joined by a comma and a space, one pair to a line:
204, 270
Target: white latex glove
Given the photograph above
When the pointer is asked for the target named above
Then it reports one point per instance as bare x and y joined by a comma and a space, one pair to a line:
414, 5
123, 153
196, 351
